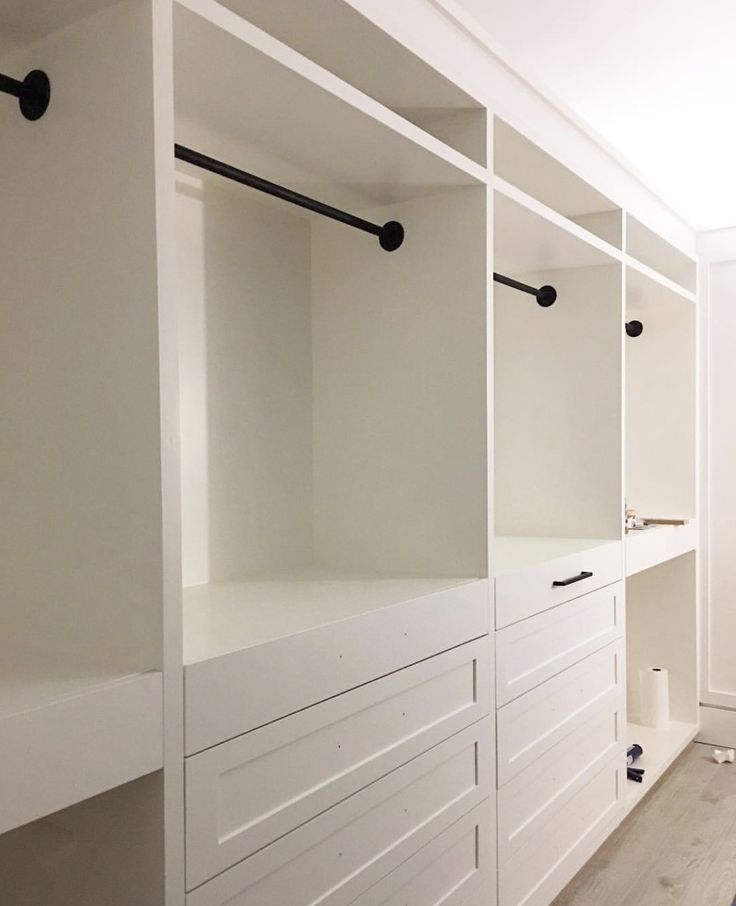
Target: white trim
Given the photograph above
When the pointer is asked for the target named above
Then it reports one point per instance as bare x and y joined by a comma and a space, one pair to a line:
717, 726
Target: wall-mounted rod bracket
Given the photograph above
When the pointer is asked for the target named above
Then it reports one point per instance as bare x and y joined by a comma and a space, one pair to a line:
634, 328
545, 295
390, 235
33, 93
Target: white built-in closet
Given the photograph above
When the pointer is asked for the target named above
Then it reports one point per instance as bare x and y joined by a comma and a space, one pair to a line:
317, 584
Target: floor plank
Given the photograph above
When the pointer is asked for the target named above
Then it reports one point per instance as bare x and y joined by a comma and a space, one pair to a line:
678, 846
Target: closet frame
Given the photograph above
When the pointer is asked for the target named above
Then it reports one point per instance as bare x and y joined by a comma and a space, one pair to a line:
475, 550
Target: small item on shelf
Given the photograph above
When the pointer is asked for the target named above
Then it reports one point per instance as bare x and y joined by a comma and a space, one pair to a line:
654, 697
633, 522
722, 755
662, 520
633, 753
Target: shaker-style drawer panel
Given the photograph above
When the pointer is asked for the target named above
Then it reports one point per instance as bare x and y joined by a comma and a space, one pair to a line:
537, 872
339, 854
243, 794
528, 802
523, 593
449, 871
530, 725
532, 651
303, 669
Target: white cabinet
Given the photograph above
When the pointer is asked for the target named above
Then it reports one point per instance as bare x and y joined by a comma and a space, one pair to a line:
391, 624
341, 852
523, 590
453, 870
533, 723
245, 793
530, 800
534, 650
536, 873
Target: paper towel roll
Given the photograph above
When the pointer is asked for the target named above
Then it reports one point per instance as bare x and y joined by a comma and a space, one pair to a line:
654, 695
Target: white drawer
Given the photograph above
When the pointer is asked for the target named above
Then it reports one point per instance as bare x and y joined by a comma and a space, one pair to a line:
231, 694
529, 801
243, 794
339, 854
453, 870
532, 651
521, 594
537, 872
530, 725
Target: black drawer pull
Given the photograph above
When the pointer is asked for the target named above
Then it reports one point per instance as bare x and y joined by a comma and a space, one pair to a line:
572, 580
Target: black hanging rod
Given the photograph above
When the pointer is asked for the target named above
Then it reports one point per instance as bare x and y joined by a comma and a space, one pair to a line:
33, 93
390, 235
545, 295
634, 328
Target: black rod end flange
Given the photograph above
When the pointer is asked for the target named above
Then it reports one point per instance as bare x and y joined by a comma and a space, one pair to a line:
391, 236
634, 328
35, 95
546, 296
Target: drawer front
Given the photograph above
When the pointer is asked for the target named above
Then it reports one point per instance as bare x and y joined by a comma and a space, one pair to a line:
304, 669
522, 594
446, 872
532, 799
534, 650
339, 854
537, 872
530, 725
243, 794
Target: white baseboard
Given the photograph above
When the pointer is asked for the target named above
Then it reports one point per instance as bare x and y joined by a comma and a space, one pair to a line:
717, 726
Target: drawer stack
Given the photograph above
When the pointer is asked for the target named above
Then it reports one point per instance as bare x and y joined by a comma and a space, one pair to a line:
560, 720
374, 793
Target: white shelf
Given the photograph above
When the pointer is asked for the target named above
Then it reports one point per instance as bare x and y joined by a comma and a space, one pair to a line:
291, 121
511, 553
661, 748
529, 236
658, 544
69, 731
640, 278
225, 617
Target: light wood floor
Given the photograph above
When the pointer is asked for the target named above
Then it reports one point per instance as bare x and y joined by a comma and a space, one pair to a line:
678, 846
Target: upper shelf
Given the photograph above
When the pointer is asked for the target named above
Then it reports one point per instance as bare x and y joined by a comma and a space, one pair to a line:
364, 55
518, 161
657, 544
529, 236
245, 97
643, 284
644, 245
70, 730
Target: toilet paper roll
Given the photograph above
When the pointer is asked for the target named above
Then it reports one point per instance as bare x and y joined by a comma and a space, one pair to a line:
654, 695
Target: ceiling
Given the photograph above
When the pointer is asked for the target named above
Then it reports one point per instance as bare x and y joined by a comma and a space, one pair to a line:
656, 78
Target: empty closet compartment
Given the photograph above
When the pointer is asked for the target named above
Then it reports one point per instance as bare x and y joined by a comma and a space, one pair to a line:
362, 54
652, 250
660, 354
80, 630
108, 849
557, 408
661, 629
333, 403
522, 163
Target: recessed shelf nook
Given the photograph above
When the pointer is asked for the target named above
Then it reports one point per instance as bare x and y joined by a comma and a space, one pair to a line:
519, 161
